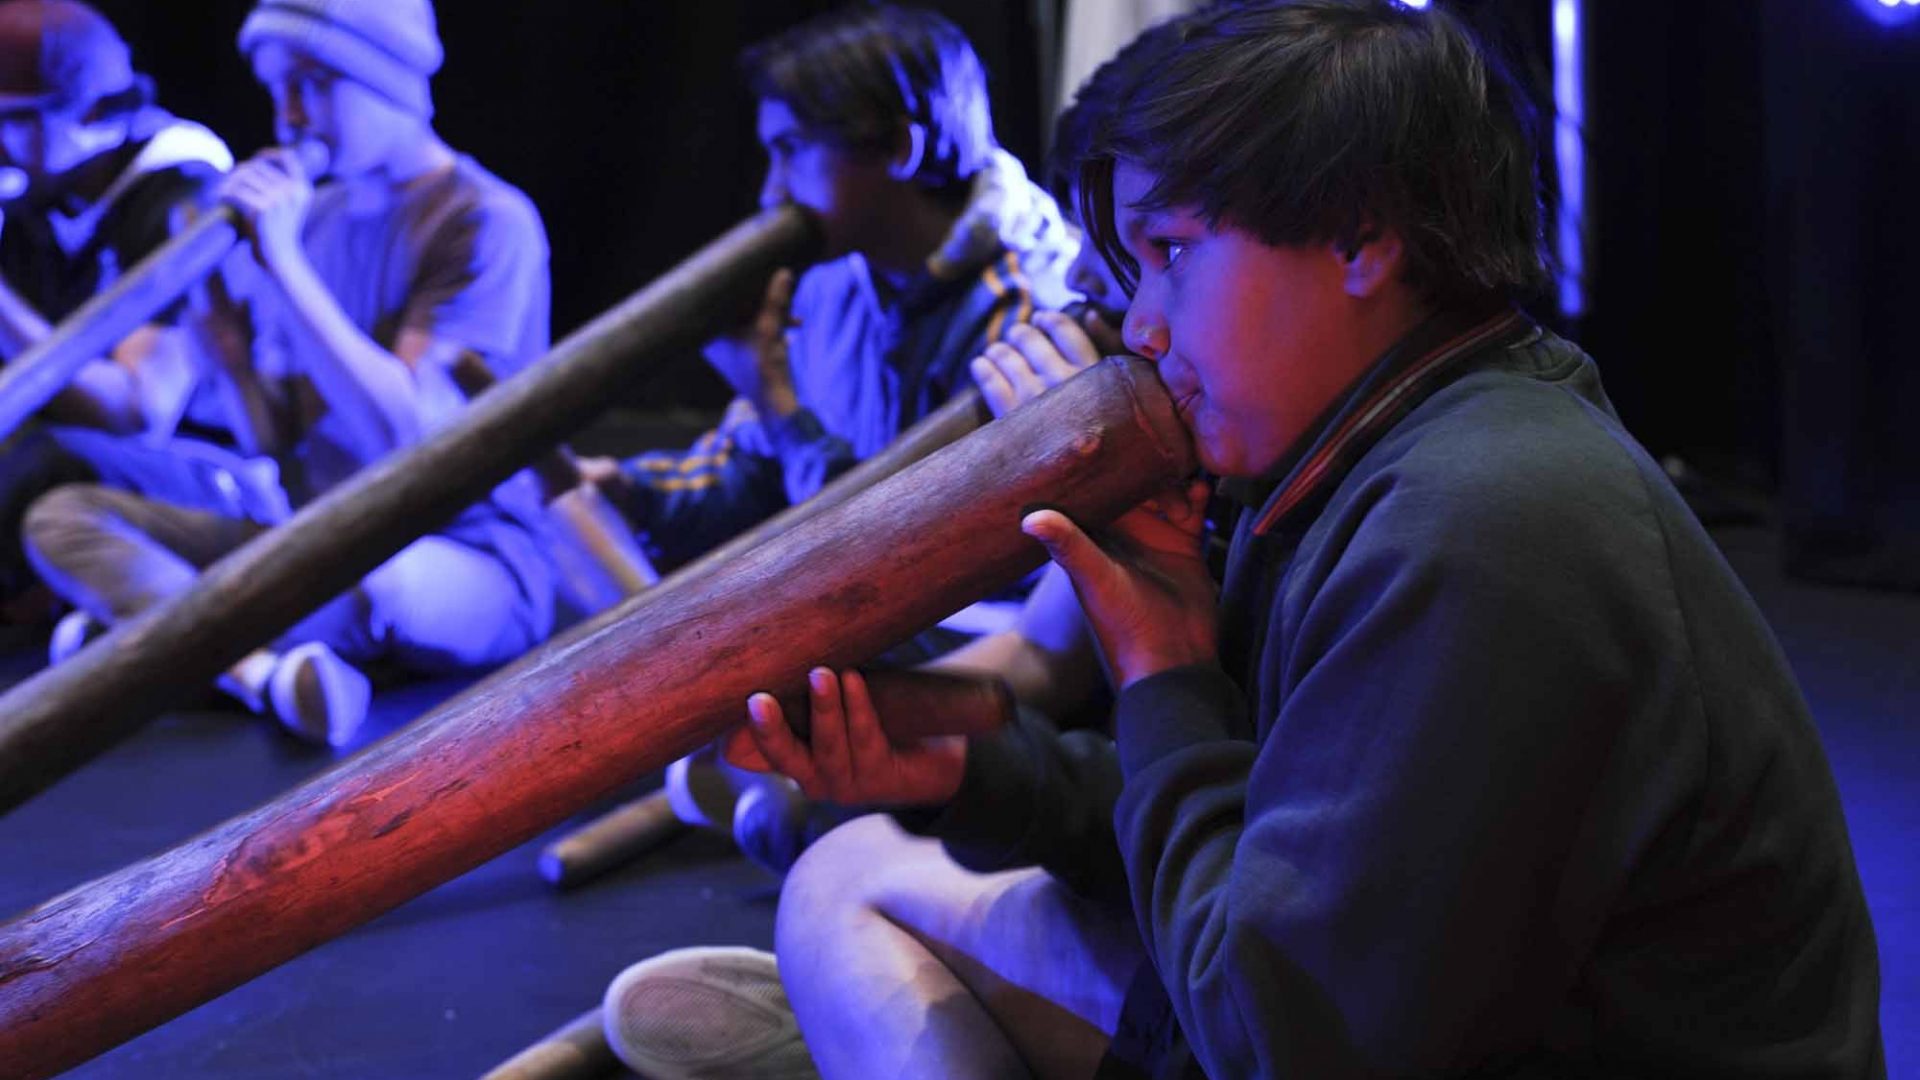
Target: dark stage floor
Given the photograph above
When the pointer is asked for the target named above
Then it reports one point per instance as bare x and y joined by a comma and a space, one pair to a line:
454, 982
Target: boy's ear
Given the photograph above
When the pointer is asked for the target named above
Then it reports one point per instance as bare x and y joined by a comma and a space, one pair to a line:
910, 149
1371, 262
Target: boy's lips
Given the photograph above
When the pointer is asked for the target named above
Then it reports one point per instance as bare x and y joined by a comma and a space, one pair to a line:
1183, 403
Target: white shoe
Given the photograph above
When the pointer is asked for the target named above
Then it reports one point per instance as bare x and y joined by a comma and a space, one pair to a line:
774, 822
704, 790
71, 634
318, 696
706, 1014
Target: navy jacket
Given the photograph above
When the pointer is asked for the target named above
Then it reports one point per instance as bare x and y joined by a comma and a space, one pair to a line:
1502, 772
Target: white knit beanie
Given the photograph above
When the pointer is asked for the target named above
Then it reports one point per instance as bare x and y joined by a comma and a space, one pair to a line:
390, 46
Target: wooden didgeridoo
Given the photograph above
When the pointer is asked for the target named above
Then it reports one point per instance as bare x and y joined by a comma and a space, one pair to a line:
65, 715
636, 827
569, 724
912, 705
577, 1050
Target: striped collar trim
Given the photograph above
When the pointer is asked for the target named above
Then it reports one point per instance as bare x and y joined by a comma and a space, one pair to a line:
1406, 384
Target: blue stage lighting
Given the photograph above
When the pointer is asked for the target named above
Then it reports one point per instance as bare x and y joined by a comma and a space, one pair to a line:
1570, 155
1890, 12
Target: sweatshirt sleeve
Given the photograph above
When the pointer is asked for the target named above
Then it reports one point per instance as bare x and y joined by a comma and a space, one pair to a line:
685, 503
1033, 796
808, 455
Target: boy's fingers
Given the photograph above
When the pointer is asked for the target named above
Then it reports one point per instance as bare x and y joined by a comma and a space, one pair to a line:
1074, 550
780, 292
1198, 492
1017, 367
867, 739
770, 733
1039, 355
827, 729
740, 751
1075, 349
772, 321
993, 386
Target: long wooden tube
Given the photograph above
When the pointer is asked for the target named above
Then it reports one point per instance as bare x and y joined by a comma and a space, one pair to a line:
60, 718
569, 724
613, 839
635, 827
576, 1050
912, 705
144, 290
36, 375
962, 415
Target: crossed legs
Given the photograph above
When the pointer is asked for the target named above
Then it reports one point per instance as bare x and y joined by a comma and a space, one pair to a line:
899, 962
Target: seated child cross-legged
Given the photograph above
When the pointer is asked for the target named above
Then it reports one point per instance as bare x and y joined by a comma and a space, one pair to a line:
1478, 759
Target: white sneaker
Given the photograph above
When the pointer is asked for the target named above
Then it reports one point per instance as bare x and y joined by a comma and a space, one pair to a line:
704, 790
318, 696
71, 634
774, 822
706, 1014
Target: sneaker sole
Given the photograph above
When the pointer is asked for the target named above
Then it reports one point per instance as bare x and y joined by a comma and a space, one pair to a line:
706, 1014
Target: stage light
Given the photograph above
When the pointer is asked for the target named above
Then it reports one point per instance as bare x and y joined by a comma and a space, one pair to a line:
1890, 12
1420, 5
1570, 155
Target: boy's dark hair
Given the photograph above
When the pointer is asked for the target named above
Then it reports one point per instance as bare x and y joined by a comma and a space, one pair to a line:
1083, 125
853, 76
1316, 121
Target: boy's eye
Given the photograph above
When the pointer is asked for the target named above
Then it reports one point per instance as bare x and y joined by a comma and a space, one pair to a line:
314, 79
1169, 250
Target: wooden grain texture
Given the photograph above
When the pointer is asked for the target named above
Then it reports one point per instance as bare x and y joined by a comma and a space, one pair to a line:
630, 830
570, 724
64, 716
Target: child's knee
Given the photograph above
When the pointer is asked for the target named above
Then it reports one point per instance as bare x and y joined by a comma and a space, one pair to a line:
841, 877
838, 869
441, 606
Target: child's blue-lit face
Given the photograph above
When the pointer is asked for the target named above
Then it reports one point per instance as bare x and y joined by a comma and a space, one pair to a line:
313, 101
843, 186
49, 142
1253, 340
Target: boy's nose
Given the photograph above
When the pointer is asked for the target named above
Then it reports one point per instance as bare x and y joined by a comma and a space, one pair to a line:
1144, 334
773, 190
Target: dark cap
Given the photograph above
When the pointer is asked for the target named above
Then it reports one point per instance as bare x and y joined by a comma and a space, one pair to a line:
58, 52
